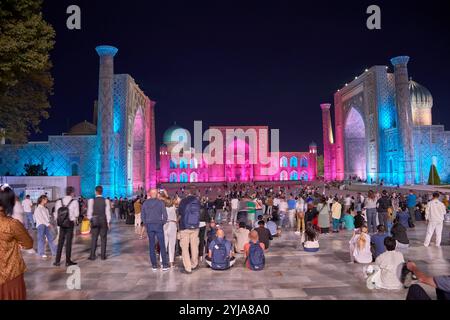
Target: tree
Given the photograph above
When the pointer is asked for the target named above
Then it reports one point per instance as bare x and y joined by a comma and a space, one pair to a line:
433, 178
25, 80
320, 166
35, 170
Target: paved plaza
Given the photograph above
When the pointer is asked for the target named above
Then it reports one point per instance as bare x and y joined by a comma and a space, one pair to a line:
290, 272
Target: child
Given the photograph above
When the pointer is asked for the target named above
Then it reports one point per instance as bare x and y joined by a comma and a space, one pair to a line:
349, 222
378, 241
399, 234
388, 267
310, 239
403, 216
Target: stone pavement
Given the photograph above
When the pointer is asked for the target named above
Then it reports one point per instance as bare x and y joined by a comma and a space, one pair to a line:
290, 272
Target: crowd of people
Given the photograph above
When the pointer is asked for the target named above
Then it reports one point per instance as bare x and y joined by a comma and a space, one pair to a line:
216, 226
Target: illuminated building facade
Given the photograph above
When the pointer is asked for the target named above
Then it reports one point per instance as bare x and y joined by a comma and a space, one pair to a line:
383, 130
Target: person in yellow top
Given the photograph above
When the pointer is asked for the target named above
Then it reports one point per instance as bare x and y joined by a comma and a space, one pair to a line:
336, 211
137, 215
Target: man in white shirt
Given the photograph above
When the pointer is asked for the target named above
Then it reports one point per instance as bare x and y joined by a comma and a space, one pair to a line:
99, 213
434, 215
234, 210
27, 205
66, 232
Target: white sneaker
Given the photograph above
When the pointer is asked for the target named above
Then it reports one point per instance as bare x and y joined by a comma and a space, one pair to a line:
154, 269
297, 232
165, 269
44, 256
230, 223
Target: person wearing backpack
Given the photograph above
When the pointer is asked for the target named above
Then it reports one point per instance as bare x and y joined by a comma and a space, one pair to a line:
254, 253
220, 253
67, 211
189, 224
99, 214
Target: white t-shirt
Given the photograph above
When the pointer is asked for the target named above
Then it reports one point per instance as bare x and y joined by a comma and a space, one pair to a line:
235, 204
348, 201
390, 263
27, 205
283, 207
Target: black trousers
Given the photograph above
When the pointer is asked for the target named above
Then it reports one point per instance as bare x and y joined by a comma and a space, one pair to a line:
65, 235
101, 231
201, 244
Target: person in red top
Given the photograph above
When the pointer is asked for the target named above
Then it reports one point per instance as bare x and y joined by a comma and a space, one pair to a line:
254, 238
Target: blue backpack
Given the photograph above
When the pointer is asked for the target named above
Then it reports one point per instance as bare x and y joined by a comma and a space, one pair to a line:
191, 216
220, 259
256, 257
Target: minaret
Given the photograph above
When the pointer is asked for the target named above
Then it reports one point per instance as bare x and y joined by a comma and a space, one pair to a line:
105, 128
312, 161
404, 113
328, 141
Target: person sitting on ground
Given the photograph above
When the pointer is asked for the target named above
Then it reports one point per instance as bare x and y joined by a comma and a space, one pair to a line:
348, 221
360, 246
359, 220
403, 216
264, 235
254, 252
400, 235
272, 227
310, 239
220, 254
378, 241
440, 283
260, 218
390, 264
240, 237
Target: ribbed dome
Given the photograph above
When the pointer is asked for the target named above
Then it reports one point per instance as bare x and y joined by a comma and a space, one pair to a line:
83, 129
421, 97
173, 133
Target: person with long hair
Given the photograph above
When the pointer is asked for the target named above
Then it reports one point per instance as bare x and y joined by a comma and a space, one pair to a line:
371, 211
42, 216
310, 239
360, 246
170, 228
324, 216
13, 238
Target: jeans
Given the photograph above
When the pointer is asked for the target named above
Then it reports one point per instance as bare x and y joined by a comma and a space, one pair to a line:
44, 232
29, 220
336, 224
412, 214
291, 215
372, 220
157, 230
383, 219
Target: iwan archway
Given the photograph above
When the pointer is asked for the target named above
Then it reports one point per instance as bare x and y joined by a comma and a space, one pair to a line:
355, 146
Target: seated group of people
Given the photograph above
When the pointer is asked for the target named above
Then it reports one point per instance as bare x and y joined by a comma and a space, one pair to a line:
251, 243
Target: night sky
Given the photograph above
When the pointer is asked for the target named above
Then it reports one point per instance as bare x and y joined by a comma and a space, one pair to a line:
243, 62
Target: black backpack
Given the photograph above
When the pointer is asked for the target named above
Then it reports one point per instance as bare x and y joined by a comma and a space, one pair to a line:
63, 216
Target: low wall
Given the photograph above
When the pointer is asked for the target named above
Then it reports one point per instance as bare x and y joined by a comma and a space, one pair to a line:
57, 185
